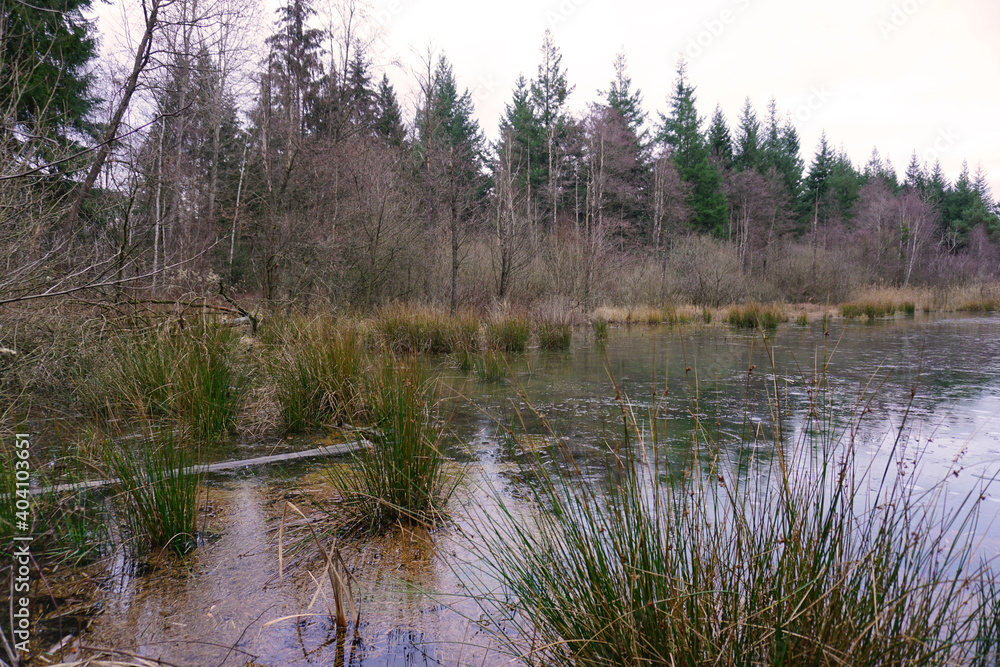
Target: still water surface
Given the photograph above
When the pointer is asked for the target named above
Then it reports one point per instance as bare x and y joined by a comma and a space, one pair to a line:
936, 378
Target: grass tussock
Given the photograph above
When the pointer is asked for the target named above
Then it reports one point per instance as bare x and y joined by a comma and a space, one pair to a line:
600, 331
402, 475
796, 563
756, 316
407, 330
155, 496
868, 309
317, 369
985, 306
491, 366
194, 375
554, 335
508, 333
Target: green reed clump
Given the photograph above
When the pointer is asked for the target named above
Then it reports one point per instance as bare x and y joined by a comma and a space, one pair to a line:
508, 333
802, 320
407, 330
554, 335
400, 474
491, 366
155, 494
756, 316
211, 384
318, 372
601, 331
797, 563
193, 375
984, 306
909, 308
141, 372
868, 309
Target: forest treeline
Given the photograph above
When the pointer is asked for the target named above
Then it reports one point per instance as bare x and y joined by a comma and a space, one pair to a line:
317, 186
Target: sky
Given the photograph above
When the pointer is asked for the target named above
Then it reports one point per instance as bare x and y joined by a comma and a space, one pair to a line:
899, 75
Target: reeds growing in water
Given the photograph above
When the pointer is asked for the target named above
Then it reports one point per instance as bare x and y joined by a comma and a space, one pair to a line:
793, 559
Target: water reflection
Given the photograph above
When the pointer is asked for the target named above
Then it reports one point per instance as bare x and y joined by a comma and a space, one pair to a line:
222, 605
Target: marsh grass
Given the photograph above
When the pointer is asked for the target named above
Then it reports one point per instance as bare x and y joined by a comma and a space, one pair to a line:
508, 333
756, 316
491, 366
406, 330
983, 306
600, 331
802, 320
797, 562
399, 475
155, 495
317, 369
192, 375
651, 315
869, 309
211, 383
554, 335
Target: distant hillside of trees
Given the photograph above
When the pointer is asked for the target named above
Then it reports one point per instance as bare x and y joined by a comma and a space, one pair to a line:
321, 190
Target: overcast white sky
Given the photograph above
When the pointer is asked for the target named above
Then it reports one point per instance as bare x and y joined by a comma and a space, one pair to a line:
902, 75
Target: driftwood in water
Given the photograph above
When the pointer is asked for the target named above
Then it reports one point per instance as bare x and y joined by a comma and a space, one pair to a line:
332, 450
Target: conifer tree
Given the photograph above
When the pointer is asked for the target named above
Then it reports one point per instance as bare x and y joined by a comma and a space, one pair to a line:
549, 92
720, 141
45, 48
746, 153
681, 131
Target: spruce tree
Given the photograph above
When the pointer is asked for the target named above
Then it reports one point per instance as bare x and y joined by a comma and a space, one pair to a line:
549, 92
720, 142
45, 48
523, 128
746, 153
388, 116
681, 132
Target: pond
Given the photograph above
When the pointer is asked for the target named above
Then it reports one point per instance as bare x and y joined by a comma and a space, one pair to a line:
933, 378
